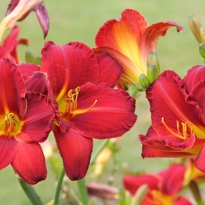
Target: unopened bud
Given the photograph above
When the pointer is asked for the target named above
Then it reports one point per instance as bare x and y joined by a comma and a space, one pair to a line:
153, 59
152, 73
195, 25
144, 81
202, 33
202, 50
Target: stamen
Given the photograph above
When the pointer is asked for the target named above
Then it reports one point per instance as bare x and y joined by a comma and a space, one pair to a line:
71, 105
180, 135
9, 124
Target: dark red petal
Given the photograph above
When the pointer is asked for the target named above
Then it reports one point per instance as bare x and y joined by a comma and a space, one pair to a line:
38, 82
194, 75
199, 161
150, 37
8, 149
76, 152
111, 116
110, 70
132, 183
29, 163
43, 18
12, 89
69, 66
173, 179
164, 145
27, 69
11, 40
197, 99
38, 119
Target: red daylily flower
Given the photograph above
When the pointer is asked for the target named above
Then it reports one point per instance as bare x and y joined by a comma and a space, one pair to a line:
178, 122
25, 120
130, 40
19, 10
163, 187
86, 107
9, 47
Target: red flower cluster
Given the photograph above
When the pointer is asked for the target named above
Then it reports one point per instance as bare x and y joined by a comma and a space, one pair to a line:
72, 94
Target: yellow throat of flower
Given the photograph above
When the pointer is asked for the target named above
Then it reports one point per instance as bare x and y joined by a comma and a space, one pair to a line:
68, 106
10, 125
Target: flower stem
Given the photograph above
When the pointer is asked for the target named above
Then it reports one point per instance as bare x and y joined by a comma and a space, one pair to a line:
30, 192
81, 183
58, 188
83, 191
195, 191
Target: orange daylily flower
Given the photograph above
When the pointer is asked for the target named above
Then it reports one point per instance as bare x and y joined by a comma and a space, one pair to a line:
130, 40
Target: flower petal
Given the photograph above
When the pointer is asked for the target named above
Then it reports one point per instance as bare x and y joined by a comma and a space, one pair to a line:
167, 101
43, 18
199, 161
150, 36
12, 89
194, 75
8, 149
110, 70
111, 116
196, 98
38, 119
123, 35
29, 163
173, 179
72, 65
38, 82
131, 71
132, 183
27, 69
155, 145
76, 152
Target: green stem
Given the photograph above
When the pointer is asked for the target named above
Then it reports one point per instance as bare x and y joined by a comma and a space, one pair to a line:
195, 191
58, 188
83, 191
30, 192
98, 150
81, 183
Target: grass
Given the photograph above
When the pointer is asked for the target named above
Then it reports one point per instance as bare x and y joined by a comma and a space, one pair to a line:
80, 20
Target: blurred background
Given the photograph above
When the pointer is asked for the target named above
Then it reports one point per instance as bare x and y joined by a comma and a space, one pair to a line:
80, 20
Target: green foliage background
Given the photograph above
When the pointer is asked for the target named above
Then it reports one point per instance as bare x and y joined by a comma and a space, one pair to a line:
80, 20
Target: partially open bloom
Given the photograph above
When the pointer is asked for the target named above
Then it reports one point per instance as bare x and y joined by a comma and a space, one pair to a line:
19, 9
163, 187
130, 40
86, 107
178, 122
9, 47
25, 120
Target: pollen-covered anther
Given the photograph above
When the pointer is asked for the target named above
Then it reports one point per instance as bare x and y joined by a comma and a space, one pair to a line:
9, 123
183, 129
71, 100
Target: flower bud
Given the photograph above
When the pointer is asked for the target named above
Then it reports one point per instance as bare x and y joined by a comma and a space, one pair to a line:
153, 59
195, 25
152, 73
202, 50
144, 82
